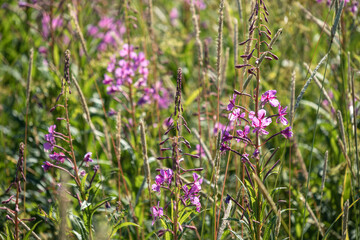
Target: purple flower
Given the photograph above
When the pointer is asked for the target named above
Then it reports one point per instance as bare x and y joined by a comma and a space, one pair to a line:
232, 104
354, 7
58, 157
112, 112
236, 115
224, 147
282, 113
269, 96
82, 173
131, 66
226, 136
198, 3
218, 126
243, 133
46, 166
155, 188
50, 139
164, 177
256, 153
87, 158
157, 212
261, 122
287, 133
174, 14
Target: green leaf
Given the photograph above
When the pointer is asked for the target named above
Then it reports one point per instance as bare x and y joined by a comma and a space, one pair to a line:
83, 182
192, 97
236, 235
184, 217
84, 205
31, 230
167, 234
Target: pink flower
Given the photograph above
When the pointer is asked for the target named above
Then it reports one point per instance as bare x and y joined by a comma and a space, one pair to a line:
269, 96
287, 133
50, 139
157, 212
87, 158
243, 133
261, 122
232, 104
58, 157
236, 115
282, 112
46, 166
174, 14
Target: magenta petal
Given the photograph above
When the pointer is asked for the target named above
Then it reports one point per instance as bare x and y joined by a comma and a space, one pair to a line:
274, 102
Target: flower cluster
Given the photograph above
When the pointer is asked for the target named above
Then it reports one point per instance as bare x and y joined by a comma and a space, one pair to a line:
109, 31
184, 193
158, 94
130, 66
50, 144
49, 24
198, 3
255, 123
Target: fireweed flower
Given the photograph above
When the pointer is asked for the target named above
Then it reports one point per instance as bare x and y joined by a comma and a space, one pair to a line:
109, 31
243, 133
131, 66
45, 21
231, 104
269, 96
191, 194
261, 122
50, 139
46, 166
282, 113
287, 133
198, 3
58, 157
236, 115
87, 158
157, 212
163, 179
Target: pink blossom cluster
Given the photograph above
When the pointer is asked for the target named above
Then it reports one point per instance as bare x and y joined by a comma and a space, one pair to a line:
129, 67
255, 123
189, 195
109, 31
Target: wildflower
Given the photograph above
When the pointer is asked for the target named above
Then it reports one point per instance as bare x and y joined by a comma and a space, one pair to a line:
87, 158
269, 96
46, 166
58, 157
224, 147
287, 133
243, 133
282, 112
236, 115
50, 139
174, 14
232, 104
198, 3
82, 173
227, 136
256, 153
218, 126
157, 212
164, 177
261, 122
